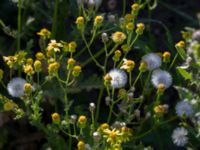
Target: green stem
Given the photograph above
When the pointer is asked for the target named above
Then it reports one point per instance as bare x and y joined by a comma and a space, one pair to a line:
55, 15
92, 56
171, 65
3, 84
137, 78
134, 40
110, 112
93, 123
98, 103
112, 105
19, 25
38, 78
130, 78
124, 8
146, 83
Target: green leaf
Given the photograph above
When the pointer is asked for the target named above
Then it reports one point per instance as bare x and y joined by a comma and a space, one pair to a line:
184, 93
181, 52
184, 73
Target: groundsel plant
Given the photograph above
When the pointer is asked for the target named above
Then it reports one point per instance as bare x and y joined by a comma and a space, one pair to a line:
134, 87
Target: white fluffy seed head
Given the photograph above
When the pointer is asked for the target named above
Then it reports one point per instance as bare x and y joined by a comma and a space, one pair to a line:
153, 61
16, 87
179, 136
119, 78
161, 77
184, 108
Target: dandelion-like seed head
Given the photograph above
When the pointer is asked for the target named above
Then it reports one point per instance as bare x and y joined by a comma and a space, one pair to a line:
119, 78
153, 61
184, 108
16, 87
161, 77
179, 136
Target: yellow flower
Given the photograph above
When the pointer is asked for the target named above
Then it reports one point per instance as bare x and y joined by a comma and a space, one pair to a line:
8, 106
112, 136
72, 46
161, 88
82, 119
29, 61
125, 48
128, 65
126, 134
70, 63
143, 66
81, 145
27, 88
130, 26
44, 33
103, 127
37, 66
10, 60
129, 17
21, 57
166, 56
140, 28
80, 21
28, 69
161, 109
76, 71
54, 46
135, 8
55, 117
53, 67
98, 20
180, 44
118, 37
40, 56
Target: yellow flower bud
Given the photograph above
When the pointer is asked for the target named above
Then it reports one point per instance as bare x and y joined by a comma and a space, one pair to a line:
125, 48
122, 93
135, 7
130, 26
76, 71
81, 145
140, 28
29, 61
161, 88
186, 35
117, 55
161, 109
107, 77
8, 106
103, 127
1, 74
118, 37
28, 69
72, 46
27, 88
40, 56
49, 54
129, 17
82, 120
180, 44
37, 66
44, 33
70, 63
80, 21
166, 57
143, 66
53, 68
55, 117
98, 20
